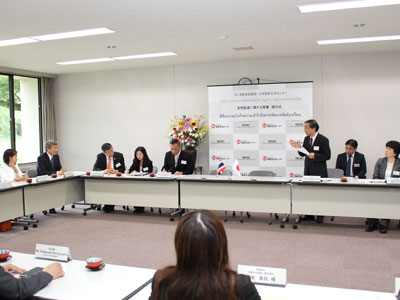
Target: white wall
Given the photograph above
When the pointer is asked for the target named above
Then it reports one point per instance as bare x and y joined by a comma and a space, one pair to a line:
133, 107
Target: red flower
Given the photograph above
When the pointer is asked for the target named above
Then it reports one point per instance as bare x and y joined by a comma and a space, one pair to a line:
174, 128
196, 129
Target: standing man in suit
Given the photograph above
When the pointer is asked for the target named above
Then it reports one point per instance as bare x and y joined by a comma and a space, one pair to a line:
111, 163
319, 152
352, 162
176, 161
49, 163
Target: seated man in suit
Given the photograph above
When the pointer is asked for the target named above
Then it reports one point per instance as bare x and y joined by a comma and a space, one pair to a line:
319, 152
111, 163
352, 162
176, 161
26, 287
49, 163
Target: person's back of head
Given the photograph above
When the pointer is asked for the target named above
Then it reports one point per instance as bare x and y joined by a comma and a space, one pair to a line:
202, 270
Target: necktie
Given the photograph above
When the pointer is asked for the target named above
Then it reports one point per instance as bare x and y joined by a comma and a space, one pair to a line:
310, 143
348, 166
109, 167
52, 162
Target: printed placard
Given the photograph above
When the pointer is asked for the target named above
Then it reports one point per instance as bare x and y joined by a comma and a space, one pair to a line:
311, 178
69, 174
96, 173
50, 252
42, 178
264, 275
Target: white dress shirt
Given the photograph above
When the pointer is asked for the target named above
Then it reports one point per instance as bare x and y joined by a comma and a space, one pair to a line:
7, 174
389, 168
177, 158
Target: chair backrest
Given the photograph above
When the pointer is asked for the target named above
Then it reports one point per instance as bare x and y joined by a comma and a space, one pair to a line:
31, 173
262, 173
155, 169
335, 173
226, 172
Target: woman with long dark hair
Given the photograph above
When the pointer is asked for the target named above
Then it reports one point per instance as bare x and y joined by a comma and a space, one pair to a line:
141, 162
202, 271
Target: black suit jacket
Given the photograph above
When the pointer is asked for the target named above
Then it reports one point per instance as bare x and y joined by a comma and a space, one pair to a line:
101, 162
185, 163
317, 166
147, 166
359, 165
44, 166
13, 288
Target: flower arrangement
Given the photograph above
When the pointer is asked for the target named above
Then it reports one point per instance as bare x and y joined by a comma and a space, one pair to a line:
189, 131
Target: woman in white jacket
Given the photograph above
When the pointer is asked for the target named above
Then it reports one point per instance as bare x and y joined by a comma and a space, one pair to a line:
9, 170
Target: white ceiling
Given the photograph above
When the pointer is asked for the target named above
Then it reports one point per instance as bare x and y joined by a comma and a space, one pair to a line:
275, 28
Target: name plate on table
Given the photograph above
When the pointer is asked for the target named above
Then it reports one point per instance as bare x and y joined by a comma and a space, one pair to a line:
52, 252
164, 174
69, 174
264, 275
5, 185
393, 181
42, 178
311, 178
378, 181
97, 173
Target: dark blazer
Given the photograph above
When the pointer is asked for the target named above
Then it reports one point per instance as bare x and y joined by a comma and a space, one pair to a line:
13, 288
101, 162
44, 166
185, 163
244, 285
147, 166
380, 168
317, 166
359, 165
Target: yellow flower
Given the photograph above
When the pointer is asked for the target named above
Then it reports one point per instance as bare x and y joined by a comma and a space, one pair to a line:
180, 123
194, 123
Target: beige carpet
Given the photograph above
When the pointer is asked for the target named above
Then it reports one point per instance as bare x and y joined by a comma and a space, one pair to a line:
336, 254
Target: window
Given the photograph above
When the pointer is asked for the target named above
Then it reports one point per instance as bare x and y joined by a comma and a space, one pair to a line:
20, 116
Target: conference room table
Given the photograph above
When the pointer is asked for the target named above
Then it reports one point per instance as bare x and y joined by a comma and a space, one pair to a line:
301, 292
131, 190
11, 202
355, 198
364, 198
235, 193
80, 283
23, 198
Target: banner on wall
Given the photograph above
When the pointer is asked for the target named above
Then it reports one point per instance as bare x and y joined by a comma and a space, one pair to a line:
254, 124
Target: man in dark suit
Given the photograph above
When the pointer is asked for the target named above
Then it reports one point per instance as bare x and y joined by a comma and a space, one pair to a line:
352, 162
176, 161
49, 163
319, 152
26, 287
111, 163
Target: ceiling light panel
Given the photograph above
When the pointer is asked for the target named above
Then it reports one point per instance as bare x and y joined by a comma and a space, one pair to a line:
345, 5
19, 41
72, 34
360, 40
